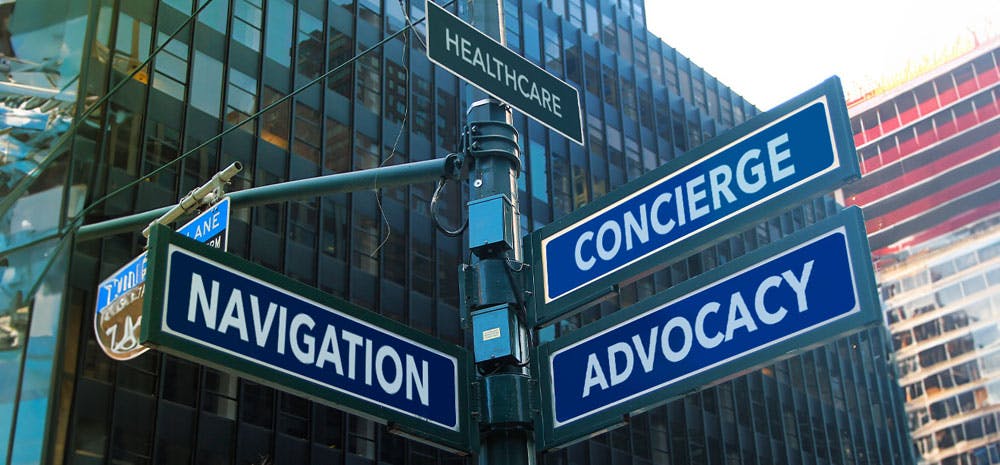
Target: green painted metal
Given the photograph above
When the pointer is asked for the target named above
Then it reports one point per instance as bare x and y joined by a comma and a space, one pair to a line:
492, 67
541, 313
463, 441
375, 178
550, 437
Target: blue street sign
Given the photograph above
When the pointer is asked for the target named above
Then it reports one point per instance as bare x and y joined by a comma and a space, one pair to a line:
801, 149
209, 227
802, 291
226, 312
119, 297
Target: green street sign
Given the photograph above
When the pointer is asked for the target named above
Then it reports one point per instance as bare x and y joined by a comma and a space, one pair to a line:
498, 71
222, 311
805, 290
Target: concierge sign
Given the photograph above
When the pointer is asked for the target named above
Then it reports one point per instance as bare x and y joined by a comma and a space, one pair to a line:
782, 299
223, 311
798, 150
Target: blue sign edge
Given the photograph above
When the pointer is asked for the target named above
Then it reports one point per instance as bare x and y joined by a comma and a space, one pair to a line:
463, 441
541, 313
579, 106
225, 201
548, 436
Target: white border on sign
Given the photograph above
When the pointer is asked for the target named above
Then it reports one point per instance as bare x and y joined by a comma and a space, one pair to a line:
842, 230
836, 163
166, 328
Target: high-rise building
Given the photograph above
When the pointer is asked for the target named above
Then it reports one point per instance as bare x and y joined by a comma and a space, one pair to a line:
930, 191
88, 118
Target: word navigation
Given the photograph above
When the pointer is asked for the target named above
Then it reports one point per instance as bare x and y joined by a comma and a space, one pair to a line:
221, 308
222, 311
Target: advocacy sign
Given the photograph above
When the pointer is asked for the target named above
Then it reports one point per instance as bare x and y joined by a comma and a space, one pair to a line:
120, 296
487, 64
807, 289
225, 312
800, 149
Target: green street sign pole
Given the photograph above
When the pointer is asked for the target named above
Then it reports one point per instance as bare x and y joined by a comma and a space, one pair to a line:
492, 299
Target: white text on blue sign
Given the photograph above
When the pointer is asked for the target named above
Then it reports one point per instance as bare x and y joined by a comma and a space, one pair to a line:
208, 227
745, 174
797, 291
228, 311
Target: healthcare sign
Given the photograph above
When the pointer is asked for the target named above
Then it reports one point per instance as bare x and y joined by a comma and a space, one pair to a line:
223, 311
800, 149
810, 288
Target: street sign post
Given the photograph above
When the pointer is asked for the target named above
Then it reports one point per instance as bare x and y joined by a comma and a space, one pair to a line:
785, 298
498, 71
798, 150
225, 312
120, 296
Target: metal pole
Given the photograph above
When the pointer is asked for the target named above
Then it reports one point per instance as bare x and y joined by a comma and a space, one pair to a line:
388, 176
506, 434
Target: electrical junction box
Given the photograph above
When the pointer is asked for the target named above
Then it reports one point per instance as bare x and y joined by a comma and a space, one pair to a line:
491, 224
495, 334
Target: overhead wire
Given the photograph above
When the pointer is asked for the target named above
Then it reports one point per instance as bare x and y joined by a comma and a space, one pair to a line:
395, 144
249, 118
65, 232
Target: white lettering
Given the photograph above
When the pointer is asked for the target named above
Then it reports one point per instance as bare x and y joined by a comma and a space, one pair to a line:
384, 352
594, 376
199, 297
305, 356
617, 376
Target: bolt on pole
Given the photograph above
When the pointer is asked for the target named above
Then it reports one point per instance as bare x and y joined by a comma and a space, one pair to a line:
493, 298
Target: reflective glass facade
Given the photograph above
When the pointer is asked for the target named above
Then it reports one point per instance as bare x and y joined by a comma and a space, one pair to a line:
645, 104
931, 198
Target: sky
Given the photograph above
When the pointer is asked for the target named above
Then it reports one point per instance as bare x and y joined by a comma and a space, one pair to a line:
769, 51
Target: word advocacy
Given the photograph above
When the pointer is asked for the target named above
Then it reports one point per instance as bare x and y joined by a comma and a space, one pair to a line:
788, 294
717, 187
228, 311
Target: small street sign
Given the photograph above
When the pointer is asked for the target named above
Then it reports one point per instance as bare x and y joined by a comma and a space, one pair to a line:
798, 150
222, 311
485, 63
120, 296
805, 290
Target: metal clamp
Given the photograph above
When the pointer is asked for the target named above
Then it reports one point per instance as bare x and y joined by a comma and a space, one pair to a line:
207, 194
492, 138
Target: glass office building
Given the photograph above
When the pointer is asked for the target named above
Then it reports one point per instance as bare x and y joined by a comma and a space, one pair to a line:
930, 152
63, 401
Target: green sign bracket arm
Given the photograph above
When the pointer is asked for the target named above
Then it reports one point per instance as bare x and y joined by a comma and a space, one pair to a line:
388, 176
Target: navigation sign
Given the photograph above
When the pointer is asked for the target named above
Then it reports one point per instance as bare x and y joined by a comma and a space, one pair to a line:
498, 71
807, 289
800, 149
220, 310
120, 296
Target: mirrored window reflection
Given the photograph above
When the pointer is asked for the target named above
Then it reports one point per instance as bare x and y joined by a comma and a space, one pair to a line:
278, 40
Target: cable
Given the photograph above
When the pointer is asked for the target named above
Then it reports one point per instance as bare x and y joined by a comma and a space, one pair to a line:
411, 25
256, 114
392, 153
434, 213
